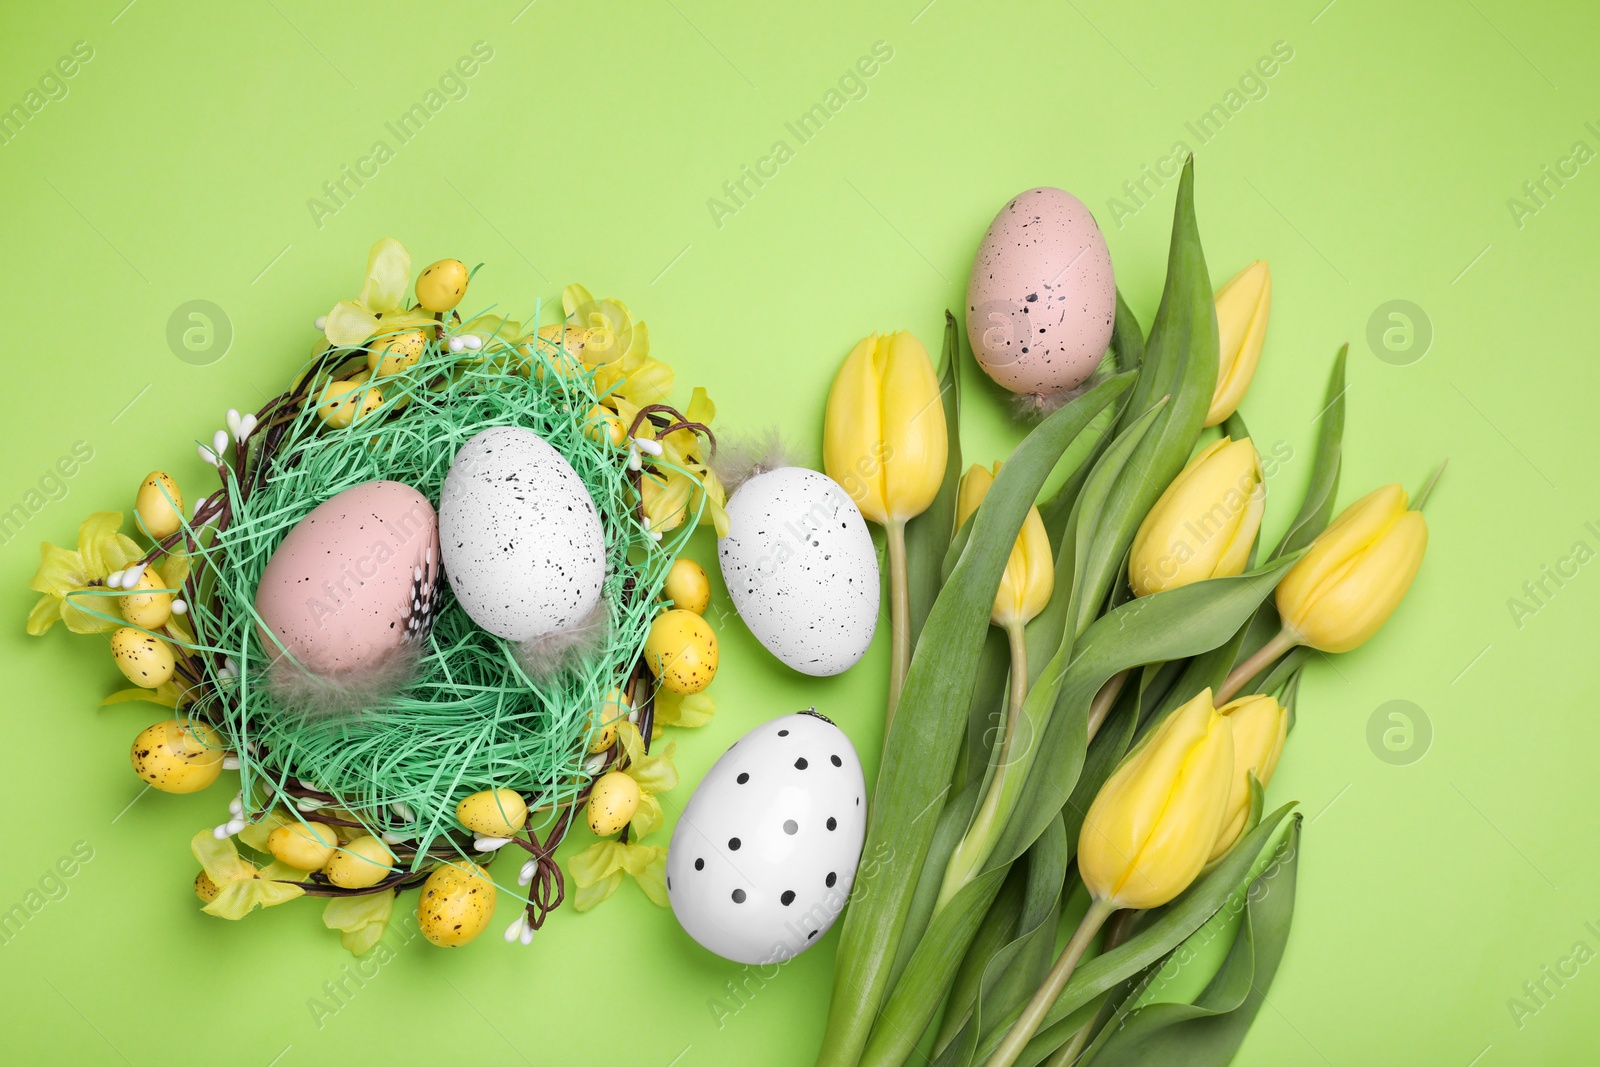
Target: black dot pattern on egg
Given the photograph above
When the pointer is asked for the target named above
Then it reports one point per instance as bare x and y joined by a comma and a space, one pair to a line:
801, 569
520, 537
785, 846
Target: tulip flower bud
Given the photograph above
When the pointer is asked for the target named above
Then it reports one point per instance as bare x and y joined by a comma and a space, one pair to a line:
884, 433
1260, 725
1205, 522
1030, 575
1152, 826
1355, 573
1242, 308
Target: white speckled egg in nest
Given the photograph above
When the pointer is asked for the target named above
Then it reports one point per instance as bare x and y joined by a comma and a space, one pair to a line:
522, 545
801, 570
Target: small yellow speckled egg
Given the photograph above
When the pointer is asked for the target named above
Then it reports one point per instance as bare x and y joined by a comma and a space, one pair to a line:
342, 403
456, 903
207, 890
441, 285
681, 650
149, 610
178, 755
396, 352
159, 505
362, 863
562, 344
612, 802
601, 425
493, 812
687, 586
303, 846
614, 708
144, 659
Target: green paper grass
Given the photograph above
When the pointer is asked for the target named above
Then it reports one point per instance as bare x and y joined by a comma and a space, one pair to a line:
470, 719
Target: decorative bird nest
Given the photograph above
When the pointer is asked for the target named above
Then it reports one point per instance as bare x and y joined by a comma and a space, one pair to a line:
470, 718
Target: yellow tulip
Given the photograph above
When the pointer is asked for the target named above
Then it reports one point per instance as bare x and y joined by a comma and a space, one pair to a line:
1243, 305
884, 433
1147, 836
884, 441
1030, 575
1204, 523
1152, 826
1355, 573
1260, 726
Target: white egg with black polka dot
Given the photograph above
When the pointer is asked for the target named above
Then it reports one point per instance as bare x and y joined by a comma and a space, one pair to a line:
765, 852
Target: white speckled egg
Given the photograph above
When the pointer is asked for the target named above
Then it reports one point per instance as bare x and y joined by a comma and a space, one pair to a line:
764, 855
799, 564
353, 581
1042, 298
520, 536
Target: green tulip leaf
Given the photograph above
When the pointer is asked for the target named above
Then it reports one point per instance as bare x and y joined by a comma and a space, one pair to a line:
987, 711
915, 1000
1173, 624
1127, 337
1180, 366
1209, 1031
1057, 507
920, 749
997, 930
1152, 943
952, 824
1317, 507
928, 535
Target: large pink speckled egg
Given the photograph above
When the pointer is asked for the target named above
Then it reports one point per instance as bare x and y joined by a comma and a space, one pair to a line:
354, 581
1042, 298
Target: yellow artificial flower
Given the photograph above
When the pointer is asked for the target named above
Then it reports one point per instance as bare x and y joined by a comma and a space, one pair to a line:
680, 482
688, 710
380, 307
102, 550
597, 871
1152, 826
654, 772
360, 920
1204, 522
1243, 304
884, 437
1355, 573
241, 888
168, 694
1030, 575
1260, 727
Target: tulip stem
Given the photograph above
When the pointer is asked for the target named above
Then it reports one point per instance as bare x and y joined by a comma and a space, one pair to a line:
899, 617
978, 841
1282, 642
1117, 931
1027, 1023
1104, 699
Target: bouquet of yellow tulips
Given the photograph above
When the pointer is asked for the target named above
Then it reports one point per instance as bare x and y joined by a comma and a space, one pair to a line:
1099, 759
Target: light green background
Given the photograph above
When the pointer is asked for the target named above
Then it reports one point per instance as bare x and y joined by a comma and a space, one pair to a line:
1377, 166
